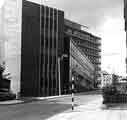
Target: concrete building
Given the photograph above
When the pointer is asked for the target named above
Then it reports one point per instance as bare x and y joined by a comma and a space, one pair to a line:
38, 57
108, 79
88, 43
10, 37
34, 55
42, 44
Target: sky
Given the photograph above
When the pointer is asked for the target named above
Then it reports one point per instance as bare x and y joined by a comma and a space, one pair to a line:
104, 18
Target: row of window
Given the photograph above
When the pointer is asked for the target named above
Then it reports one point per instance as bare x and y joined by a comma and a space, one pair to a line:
88, 45
92, 53
87, 48
94, 61
84, 36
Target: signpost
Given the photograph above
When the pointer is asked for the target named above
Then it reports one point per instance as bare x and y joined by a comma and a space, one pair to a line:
71, 78
72, 93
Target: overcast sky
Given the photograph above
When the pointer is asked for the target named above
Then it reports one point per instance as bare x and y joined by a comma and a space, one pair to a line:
105, 19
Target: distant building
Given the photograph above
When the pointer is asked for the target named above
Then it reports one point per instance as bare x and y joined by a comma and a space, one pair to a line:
105, 79
108, 79
88, 43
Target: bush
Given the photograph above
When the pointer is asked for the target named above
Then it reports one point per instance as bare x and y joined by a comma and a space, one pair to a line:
112, 95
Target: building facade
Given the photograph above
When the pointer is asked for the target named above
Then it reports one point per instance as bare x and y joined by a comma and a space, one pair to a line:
108, 79
88, 43
35, 56
43, 51
10, 36
82, 69
36, 50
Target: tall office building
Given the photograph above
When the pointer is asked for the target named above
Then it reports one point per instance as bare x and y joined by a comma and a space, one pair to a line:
88, 43
43, 50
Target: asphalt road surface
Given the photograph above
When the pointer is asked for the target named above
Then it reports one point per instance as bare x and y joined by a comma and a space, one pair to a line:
87, 107
44, 109
94, 110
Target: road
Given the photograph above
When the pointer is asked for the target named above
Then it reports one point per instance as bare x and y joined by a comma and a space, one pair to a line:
42, 110
87, 107
94, 110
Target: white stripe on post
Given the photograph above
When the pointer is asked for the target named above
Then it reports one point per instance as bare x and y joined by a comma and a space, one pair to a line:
72, 93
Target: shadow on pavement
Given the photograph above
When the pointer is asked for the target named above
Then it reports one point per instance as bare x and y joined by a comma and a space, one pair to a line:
55, 108
38, 110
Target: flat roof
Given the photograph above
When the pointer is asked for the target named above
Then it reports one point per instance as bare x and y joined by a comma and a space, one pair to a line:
78, 26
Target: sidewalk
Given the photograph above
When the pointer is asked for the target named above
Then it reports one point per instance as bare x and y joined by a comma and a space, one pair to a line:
91, 111
30, 99
10, 102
